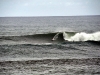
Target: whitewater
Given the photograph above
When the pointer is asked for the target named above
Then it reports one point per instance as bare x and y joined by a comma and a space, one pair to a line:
57, 45
82, 36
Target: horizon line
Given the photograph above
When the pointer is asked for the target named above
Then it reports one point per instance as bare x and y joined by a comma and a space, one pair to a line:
50, 16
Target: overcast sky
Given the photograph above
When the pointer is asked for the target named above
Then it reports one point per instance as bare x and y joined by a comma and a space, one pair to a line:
49, 7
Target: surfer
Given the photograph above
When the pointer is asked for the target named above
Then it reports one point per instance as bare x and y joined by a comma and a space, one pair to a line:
55, 37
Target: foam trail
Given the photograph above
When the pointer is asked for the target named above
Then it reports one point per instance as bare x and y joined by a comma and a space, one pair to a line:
83, 36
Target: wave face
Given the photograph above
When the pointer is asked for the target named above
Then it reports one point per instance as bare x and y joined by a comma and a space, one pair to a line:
31, 39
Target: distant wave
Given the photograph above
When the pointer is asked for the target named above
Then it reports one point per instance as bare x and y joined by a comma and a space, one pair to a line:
57, 37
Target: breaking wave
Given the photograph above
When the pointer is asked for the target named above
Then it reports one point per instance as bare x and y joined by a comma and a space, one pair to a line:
82, 36
57, 37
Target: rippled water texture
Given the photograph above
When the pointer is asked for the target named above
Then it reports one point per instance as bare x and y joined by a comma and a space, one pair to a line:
50, 45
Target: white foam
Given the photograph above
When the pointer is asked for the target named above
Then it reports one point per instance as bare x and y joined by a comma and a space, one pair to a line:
83, 36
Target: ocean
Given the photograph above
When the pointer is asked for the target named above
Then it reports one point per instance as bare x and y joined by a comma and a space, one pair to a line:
50, 45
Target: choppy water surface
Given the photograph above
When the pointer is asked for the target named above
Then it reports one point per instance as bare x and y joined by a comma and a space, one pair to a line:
50, 45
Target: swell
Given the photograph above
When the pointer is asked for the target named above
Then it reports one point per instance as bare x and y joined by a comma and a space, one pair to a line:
87, 61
